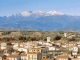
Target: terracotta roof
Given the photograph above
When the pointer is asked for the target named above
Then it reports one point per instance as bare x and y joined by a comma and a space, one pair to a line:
72, 43
33, 52
36, 48
23, 54
2, 49
48, 59
13, 56
6, 59
75, 59
65, 56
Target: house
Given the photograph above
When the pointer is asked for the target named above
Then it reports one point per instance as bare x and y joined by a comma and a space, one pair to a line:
22, 44
44, 55
41, 49
71, 44
48, 59
58, 43
12, 57
75, 59
74, 54
47, 44
72, 48
75, 48
78, 56
15, 45
3, 45
34, 56
75, 51
0, 58
63, 45
3, 51
51, 48
35, 50
62, 57
23, 56
9, 45
23, 49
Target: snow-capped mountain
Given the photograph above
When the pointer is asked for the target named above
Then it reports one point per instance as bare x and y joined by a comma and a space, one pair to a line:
40, 20
39, 13
54, 13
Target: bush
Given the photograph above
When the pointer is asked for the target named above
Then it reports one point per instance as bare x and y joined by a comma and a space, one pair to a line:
57, 37
6, 32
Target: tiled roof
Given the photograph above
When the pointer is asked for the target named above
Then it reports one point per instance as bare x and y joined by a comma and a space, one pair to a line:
75, 59
13, 56
48, 59
23, 54
65, 56
33, 52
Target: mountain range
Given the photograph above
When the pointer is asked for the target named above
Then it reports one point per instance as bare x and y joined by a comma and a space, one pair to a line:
40, 20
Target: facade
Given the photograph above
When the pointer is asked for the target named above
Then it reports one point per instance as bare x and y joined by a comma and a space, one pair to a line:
12, 57
3, 45
64, 57
23, 56
34, 56
48, 59
41, 50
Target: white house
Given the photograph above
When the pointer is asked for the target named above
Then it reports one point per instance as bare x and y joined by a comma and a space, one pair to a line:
51, 48
75, 48
23, 49
3, 45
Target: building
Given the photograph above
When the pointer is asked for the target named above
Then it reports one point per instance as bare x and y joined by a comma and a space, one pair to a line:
34, 56
64, 57
23, 56
41, 50
48, 59
3, 45
12, 57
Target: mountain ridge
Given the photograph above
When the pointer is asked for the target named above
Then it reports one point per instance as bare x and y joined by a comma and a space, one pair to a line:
39, 20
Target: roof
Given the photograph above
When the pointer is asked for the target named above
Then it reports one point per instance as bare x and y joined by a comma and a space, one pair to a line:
75, 59
23, 54
72, 43
36, 48
64, 56
2, 49
48, 59
44, 54
6, 59
13, 56
33, 53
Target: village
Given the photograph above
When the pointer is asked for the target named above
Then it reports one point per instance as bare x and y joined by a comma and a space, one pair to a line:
40, 50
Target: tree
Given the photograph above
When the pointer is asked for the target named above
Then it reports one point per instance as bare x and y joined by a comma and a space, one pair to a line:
72, 39
6, 32
57, 37
4, 57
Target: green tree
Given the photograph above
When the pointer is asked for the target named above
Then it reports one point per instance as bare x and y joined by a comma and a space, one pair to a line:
57, 37
6, 32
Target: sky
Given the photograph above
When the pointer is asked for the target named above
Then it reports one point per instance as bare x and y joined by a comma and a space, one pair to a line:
69, 7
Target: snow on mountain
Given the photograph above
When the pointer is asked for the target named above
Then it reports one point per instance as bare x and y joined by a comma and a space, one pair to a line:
40, 20
39, 12
54, 13
26, 13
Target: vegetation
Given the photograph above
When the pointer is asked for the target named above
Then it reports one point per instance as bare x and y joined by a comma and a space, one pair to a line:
6, 32
38, 35
57, 37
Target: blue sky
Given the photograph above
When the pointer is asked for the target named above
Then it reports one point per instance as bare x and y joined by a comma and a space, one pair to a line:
69, 7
